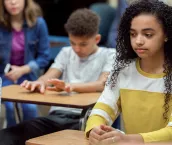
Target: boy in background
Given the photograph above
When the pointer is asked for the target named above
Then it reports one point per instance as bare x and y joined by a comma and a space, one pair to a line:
83, 67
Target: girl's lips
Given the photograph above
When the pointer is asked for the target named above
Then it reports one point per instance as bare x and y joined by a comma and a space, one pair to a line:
140, 50
13, 9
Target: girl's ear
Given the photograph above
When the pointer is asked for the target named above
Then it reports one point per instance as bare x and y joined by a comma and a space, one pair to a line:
166, 39
98, 38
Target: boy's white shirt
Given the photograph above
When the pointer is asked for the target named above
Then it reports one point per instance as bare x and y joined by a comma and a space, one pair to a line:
81, 70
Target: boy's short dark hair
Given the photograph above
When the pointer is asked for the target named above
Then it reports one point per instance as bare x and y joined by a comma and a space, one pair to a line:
83, 22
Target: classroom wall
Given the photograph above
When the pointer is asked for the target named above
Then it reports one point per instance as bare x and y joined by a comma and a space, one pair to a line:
113, 3
56, 12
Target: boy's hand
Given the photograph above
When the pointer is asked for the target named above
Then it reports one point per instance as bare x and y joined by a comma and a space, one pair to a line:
34, 85
59, 85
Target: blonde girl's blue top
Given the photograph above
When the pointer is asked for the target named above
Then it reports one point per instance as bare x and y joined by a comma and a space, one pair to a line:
36, 47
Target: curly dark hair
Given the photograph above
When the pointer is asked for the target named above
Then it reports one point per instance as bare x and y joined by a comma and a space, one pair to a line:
125, 54
83, 22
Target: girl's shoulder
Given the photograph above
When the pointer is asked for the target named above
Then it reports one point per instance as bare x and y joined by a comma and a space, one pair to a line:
130, 67
40, 23
3, 29
40, 20
128, 72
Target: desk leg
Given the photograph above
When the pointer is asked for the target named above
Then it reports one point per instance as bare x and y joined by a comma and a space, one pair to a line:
17, 112
17, 108
84, 116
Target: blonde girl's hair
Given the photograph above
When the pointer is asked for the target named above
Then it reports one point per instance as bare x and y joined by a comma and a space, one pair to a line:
31, 11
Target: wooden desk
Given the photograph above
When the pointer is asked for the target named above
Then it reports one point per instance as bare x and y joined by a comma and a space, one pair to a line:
85, 101
65, 137
71, 137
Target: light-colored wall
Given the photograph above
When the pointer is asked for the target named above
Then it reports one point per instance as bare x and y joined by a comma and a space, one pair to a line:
169, 2
113, 2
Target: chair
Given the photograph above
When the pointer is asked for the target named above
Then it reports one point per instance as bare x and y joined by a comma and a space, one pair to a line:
56, 44
107, 15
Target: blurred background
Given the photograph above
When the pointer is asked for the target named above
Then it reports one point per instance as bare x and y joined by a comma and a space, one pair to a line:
56, 12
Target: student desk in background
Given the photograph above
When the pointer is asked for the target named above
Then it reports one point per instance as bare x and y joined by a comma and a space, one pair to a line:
65, 137
85, 101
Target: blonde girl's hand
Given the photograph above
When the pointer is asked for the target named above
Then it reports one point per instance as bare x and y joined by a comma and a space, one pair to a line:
95, 135
17, 72
112, 136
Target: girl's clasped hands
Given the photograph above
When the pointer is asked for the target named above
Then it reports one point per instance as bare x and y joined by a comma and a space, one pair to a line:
106, 135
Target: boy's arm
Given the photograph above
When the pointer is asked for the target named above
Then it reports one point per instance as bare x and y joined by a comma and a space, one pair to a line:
51, 73
96, 86
42, 82
87, 87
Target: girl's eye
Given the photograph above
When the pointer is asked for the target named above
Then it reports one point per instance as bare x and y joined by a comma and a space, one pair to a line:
148, 35
132, 34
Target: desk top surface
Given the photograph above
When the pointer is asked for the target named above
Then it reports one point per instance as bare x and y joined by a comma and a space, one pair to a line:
65, 137
71, 137
15, 93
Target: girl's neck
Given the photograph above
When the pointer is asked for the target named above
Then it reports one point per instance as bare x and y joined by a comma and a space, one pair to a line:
17, 22
153, 65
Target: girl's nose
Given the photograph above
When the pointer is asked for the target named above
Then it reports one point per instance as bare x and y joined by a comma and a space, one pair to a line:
139, 40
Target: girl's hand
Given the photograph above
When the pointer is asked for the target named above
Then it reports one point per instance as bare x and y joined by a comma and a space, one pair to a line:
112, 136
95, 135
17, 72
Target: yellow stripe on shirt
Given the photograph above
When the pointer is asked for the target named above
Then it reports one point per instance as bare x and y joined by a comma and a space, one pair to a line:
94, 121
105, 108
